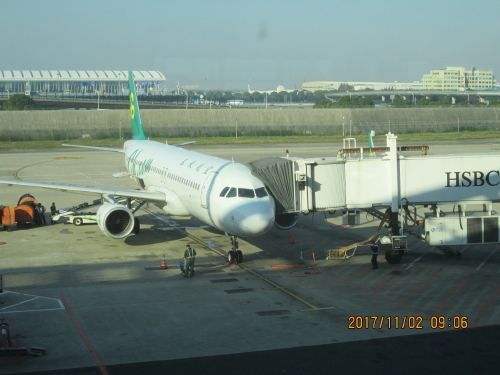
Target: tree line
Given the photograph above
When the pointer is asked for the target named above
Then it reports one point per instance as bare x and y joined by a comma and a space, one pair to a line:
400, 102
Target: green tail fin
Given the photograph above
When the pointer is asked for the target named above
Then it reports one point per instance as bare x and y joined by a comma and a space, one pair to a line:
135, 115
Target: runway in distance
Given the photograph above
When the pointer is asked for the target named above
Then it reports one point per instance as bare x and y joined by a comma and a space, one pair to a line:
221, 193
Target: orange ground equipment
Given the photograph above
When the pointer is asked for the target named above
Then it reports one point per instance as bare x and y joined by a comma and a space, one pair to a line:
25, 210
7, 217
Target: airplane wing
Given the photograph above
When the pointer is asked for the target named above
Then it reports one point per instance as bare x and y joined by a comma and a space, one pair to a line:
138, 194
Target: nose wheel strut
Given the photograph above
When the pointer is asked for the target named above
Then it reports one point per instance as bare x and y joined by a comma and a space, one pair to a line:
234, 256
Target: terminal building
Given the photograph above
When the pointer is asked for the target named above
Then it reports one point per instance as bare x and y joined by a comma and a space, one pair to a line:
361, 86
112, 82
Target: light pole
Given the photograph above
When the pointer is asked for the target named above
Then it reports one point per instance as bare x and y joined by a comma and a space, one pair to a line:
8, 94
97, 99
186, 98
58, 81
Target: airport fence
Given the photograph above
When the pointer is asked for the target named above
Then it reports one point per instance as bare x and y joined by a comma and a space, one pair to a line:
189, 131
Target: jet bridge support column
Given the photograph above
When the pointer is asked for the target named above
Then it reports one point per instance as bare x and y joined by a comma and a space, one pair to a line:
394, 183
395, 252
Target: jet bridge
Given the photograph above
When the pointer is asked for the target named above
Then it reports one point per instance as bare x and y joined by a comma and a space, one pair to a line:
400, 179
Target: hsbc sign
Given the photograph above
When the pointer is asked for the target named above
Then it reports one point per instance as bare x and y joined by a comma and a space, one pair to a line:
472, 178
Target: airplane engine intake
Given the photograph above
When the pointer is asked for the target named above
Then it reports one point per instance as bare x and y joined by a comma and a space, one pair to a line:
115, 220
286, 221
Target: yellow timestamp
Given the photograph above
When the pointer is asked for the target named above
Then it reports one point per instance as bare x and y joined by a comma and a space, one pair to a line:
407, 322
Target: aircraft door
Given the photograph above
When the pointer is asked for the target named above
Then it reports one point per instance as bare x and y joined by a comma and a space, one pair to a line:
205, 189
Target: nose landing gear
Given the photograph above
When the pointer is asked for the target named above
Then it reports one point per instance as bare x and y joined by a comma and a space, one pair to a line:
234, 256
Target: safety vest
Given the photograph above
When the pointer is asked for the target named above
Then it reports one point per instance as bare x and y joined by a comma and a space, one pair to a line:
190, 252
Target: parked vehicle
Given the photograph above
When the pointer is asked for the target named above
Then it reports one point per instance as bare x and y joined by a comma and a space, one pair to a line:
7, 217
79, 218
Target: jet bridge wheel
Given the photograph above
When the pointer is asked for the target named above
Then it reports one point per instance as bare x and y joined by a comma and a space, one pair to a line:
394, 256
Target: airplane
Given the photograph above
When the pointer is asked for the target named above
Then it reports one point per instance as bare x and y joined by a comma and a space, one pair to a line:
219, 192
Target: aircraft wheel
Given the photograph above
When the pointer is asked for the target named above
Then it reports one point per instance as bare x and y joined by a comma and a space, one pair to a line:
137, 226
239, 256
231, 256
393, 256
78, 221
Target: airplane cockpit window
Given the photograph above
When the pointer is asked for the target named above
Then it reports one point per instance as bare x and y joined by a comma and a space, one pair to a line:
224, 191
261, 192
232, 193
246, 193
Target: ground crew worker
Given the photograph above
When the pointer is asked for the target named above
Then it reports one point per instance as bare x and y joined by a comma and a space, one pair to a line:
41, 214
374, 249
53, 211
189, 258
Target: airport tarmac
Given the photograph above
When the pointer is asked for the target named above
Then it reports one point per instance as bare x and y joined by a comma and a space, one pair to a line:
103, 306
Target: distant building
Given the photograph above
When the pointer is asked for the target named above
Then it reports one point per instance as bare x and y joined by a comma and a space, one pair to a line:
361, 86
78, 81
458, 79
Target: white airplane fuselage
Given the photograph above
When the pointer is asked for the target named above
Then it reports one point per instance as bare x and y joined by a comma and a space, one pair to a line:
195, 184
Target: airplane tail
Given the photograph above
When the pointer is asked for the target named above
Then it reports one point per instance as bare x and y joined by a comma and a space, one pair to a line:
135, 115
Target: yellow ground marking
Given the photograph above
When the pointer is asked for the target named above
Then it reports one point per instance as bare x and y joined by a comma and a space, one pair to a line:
26, 166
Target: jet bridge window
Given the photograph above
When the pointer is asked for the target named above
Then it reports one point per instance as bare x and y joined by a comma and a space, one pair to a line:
246, 193
232, 193
261, 192
224, 191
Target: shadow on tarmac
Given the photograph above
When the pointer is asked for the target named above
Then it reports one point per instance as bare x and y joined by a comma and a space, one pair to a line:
469, 351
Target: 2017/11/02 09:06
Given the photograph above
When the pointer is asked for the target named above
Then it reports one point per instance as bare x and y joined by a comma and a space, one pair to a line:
407, 322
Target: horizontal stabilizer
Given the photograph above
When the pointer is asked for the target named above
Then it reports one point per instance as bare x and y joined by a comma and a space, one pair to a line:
124, 174
97, 148
182, 144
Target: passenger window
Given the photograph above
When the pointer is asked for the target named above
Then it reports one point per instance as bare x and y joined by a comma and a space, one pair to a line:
261, 192
246, 193
224, 191
232, 193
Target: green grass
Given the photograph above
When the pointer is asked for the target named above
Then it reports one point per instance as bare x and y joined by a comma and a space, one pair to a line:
258, 140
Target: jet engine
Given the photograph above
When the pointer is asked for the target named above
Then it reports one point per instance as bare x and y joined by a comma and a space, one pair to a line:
115, 220
286, 221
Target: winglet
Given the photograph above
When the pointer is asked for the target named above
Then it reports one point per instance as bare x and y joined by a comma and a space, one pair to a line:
135, 115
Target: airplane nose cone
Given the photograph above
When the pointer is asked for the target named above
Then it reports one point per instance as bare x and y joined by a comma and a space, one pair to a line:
256, 220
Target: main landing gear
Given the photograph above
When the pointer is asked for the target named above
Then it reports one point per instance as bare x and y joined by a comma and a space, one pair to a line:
234, 256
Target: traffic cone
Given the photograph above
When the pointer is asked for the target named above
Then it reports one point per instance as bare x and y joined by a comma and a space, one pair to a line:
292, 239
163, 265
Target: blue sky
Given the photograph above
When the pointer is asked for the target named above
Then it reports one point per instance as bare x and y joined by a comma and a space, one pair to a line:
223, 44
